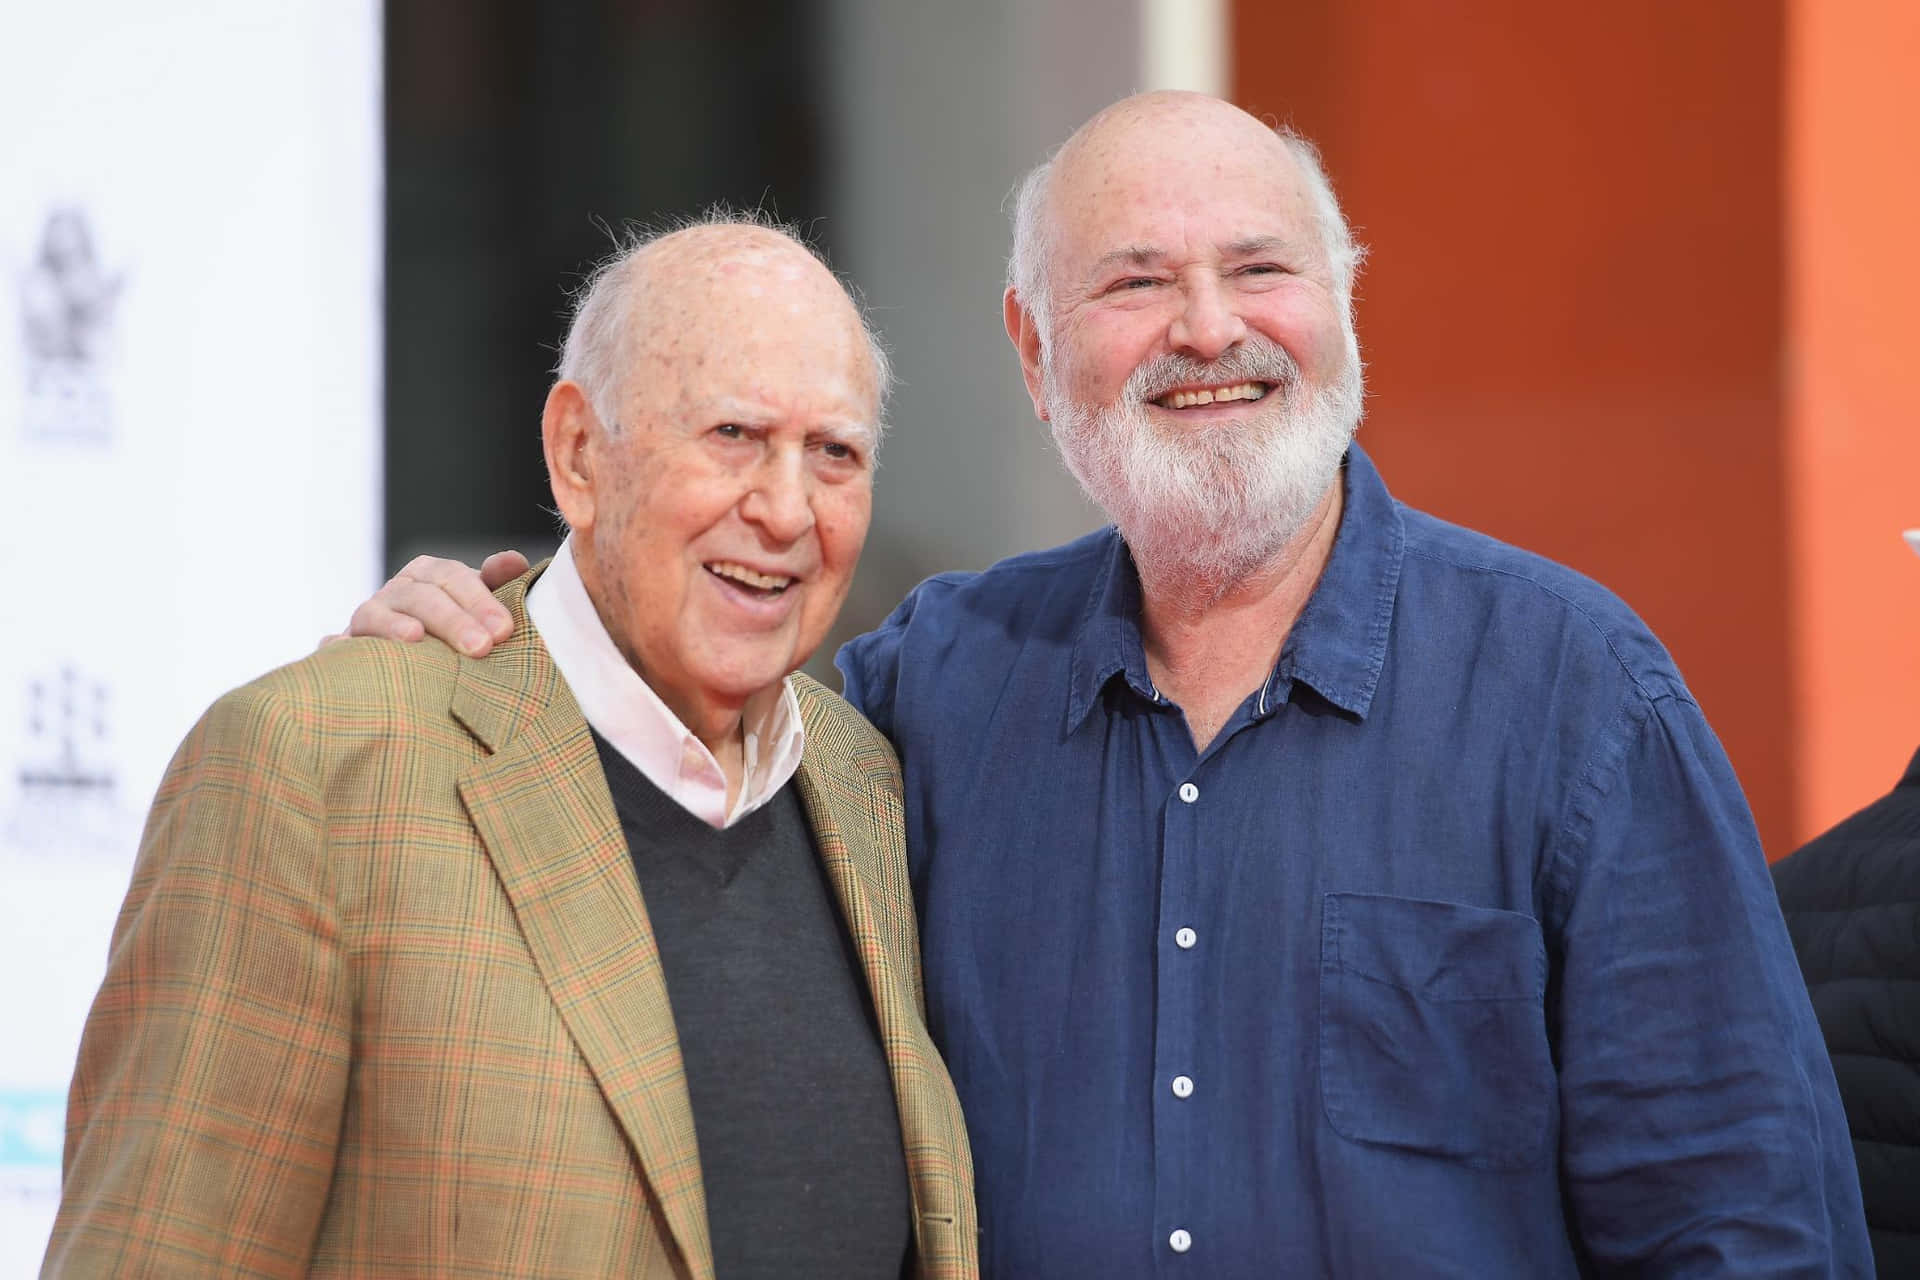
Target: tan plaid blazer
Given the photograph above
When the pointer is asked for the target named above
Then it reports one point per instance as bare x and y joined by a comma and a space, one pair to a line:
383, 1000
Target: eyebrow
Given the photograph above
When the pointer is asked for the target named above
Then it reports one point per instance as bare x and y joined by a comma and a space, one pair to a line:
1138, 255
750, 414
865, 434
1141, 255
1260, 246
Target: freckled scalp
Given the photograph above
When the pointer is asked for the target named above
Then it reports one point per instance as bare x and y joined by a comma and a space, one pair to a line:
661, 276
1112, 135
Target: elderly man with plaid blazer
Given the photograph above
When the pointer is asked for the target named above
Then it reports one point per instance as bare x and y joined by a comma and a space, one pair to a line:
592, 957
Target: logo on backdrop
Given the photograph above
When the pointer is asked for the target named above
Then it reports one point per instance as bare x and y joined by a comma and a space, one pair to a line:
67, 799
67, 300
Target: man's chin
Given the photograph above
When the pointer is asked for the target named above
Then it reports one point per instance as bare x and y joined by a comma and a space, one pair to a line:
743, 684
1210, 552
736, 668
1228, 539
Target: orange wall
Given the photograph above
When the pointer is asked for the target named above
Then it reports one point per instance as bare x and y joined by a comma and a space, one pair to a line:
1853, 403
1574, 305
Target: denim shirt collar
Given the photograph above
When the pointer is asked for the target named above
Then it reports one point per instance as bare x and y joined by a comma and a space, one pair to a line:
1337, 645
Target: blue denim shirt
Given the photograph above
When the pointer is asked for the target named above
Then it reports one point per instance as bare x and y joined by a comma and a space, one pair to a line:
1454, 954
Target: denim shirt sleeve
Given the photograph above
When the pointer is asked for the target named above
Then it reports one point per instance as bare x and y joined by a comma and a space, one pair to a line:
869, 664
1701, 1127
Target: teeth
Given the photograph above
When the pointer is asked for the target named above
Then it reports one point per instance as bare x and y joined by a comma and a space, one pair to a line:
749, 577
1216, 395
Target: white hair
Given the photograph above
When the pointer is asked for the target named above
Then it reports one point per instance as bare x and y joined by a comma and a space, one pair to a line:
597, 334
1029, 261
1202, 510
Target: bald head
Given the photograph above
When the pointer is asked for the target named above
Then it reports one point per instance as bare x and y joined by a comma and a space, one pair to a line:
1165, 114
710, 445
649, 286
1180, 299
1158, 138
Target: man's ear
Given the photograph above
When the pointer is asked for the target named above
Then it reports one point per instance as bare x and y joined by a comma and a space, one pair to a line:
1025, 335
571, 436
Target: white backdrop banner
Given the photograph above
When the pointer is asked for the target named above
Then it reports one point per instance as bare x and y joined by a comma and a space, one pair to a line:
189, 448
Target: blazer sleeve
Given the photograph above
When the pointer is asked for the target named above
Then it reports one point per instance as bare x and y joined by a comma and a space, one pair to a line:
205, 1110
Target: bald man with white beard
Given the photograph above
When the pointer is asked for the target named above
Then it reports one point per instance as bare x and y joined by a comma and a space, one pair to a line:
1308, 886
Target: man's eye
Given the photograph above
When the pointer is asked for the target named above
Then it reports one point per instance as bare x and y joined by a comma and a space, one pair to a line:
839, 452
1136, 282
730, 431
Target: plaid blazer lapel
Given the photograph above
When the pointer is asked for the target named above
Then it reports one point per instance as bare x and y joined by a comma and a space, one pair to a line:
850, 820
541, 807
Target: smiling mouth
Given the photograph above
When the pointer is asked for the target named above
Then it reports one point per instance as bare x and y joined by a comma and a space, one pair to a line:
767, 586
1195, 397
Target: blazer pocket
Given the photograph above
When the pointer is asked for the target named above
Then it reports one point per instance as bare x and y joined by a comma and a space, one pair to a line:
1433, 1029
937, 1245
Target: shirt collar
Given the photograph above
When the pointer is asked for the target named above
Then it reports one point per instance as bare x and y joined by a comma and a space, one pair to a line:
1337, 645
1109, 643
624, 709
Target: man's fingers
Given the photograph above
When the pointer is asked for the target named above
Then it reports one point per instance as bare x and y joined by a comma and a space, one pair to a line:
408, 608
470, 592
408, 630
502, 567
444, 599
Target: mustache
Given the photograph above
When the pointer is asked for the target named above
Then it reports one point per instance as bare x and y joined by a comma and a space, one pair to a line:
1255, 359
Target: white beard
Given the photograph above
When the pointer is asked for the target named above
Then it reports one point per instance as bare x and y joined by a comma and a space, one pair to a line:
1212, 503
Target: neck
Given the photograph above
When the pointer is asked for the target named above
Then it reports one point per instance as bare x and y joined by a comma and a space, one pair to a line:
1211, 639
719, 726
730, 753
718, 723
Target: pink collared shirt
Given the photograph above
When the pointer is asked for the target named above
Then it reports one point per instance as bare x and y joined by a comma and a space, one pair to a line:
630, 715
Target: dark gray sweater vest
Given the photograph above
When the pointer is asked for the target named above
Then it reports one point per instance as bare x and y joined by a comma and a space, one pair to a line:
793, 1106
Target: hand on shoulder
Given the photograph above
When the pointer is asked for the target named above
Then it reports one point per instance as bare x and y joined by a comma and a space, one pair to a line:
445, 599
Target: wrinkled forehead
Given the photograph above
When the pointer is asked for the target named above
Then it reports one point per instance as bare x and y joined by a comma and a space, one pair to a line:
752, 319
715, 270
1175, 181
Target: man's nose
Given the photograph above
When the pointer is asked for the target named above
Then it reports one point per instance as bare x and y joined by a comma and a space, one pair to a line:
1208, 324
781, 499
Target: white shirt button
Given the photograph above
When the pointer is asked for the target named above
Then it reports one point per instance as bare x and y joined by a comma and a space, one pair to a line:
1189, 792
1180, 1241
1185, 938
1183, 1086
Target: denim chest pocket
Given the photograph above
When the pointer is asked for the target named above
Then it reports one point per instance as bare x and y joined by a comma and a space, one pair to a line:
1433, 1029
